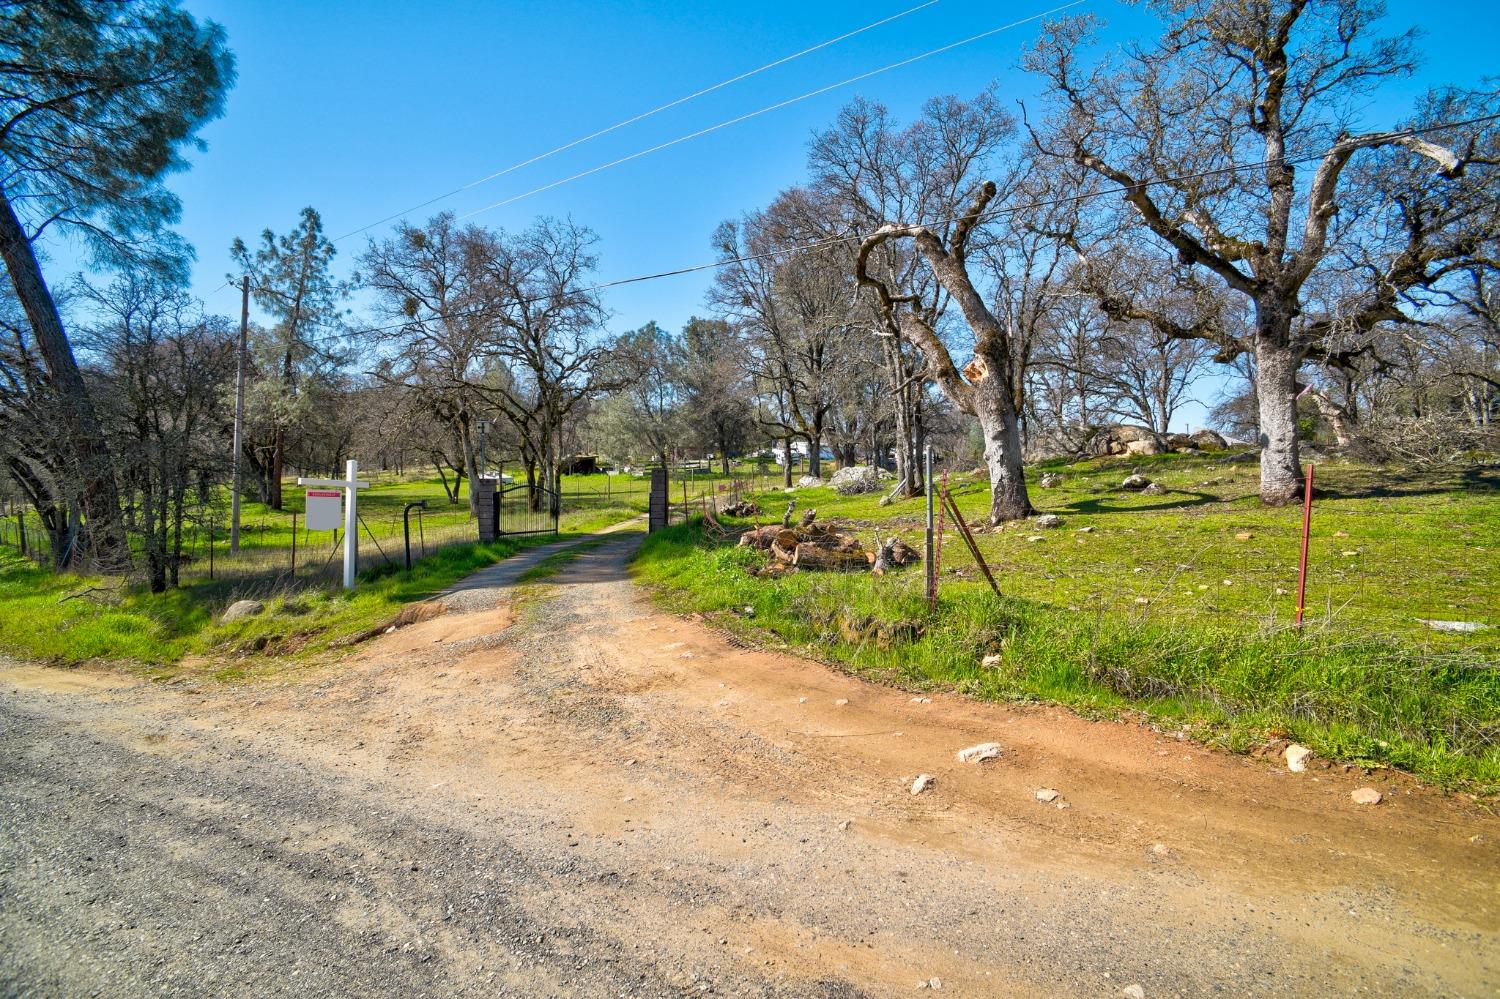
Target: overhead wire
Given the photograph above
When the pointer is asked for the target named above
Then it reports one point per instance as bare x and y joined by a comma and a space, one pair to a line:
768, 109
983, 217
642, 117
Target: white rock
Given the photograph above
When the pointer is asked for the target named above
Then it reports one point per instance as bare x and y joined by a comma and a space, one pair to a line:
1457, 627
1048, 520
1051, 480
934, 982
1046, 794
922, 783
980, 753
1135, 482
921, 700
1036, 537
1296, 758
1133, 992
990, 662
841, 702
241, 609
1085, 530
809, 482
1366, 796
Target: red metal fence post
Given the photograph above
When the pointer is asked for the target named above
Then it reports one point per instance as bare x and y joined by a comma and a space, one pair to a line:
1306, 531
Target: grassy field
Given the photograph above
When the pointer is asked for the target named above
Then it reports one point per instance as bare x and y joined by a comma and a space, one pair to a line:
66, 619
1176, 605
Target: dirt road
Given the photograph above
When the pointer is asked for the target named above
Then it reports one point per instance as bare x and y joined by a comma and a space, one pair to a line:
583, 796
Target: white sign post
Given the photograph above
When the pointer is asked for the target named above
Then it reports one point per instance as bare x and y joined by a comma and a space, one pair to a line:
350, 485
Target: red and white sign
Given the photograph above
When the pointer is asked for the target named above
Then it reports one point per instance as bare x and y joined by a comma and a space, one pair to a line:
325, 509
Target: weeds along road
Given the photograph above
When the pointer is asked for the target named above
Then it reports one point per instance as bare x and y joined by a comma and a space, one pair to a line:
572, 794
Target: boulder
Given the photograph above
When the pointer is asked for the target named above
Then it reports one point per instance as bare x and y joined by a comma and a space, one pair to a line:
1208, 440
1136, 482
1154, 489
241, 609
1366, 796
809, 482
1143, 447
1051, 480
856, 479
1048, 520
1180, 442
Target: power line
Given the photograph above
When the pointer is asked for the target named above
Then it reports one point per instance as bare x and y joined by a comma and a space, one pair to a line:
985, 216
642, 116
766, 110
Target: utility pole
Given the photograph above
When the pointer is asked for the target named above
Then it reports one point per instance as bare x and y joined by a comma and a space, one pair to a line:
239, 415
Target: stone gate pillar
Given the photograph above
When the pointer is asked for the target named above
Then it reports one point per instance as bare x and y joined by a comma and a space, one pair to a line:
657, 518
485, 502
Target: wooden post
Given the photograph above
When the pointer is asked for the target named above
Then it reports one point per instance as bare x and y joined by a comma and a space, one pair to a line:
294, 543
1306, 533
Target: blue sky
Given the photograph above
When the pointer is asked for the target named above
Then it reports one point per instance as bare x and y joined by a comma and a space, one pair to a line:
365, 109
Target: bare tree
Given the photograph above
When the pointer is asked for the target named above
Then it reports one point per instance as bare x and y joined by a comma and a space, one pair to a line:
985, 388
1202, 135
437, 320
546, 333
163, 373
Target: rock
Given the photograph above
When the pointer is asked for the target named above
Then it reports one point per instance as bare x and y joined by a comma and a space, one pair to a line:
1296, 757
1160, 851
1144, 447
1048, 520
1046, 794
921, 700
1366, 796
809, 482
1136, 481
934, 982
1085, 530
855, 479
1243, 536
1153, 490
980, 753
1133, 992
1051, 480
841, 702
1208, 440
1036, 537
922, 783
241, 609
990, 662
1456, 627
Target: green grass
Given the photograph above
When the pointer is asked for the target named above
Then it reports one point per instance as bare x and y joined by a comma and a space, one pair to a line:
66, 619
1366, 683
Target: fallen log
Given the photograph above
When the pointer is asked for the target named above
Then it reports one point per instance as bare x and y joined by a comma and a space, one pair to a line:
809, 555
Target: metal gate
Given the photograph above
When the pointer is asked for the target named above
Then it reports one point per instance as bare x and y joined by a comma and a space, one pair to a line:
515, 511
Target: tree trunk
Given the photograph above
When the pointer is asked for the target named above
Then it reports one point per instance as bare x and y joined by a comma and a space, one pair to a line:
99, 495
1276, 365
786, 469
995, 409
471, 466
278, 467
815, 452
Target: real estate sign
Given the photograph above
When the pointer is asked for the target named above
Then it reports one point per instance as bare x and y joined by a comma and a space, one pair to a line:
325, 509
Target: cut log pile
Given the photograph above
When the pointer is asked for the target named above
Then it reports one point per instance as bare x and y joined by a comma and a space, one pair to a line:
811, 545
744, 508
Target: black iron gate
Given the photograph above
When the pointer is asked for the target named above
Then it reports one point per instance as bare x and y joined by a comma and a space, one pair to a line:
517, 511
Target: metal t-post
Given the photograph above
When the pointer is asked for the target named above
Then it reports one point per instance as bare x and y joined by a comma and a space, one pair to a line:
931, 566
